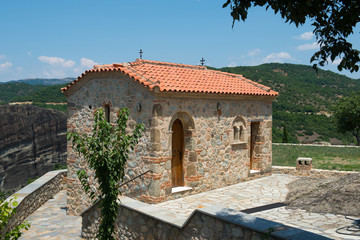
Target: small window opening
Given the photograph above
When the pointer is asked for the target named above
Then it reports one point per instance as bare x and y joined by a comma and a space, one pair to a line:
236, 134
107, 113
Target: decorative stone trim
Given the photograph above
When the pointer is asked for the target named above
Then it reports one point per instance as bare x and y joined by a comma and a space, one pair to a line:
138, 220
180, 189
239, 143
31, 197
157, 159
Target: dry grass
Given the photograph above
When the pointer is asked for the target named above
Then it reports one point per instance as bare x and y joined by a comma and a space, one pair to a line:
336, 196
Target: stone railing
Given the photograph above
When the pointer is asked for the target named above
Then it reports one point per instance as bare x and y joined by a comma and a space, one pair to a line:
316, 173
138, 220
37, 193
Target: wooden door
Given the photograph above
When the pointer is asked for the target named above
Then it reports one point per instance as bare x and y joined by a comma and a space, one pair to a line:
254, 133
177, 168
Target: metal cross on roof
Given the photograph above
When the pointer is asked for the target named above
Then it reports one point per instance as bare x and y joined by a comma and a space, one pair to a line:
141, 52
202, 61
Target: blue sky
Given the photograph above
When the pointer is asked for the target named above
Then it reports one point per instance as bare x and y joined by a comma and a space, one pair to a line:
56, 39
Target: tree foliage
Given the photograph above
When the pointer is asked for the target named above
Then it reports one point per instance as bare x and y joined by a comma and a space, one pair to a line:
285, 138
9, 91
333, 21
7, 211
347, 115
106, 152
46, 94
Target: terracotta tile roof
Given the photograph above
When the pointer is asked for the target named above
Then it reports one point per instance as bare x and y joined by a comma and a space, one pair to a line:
171, 77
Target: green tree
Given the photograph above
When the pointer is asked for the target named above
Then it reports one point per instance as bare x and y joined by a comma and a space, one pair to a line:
285, 134
347, 115
106, 152
7, 211
333, 21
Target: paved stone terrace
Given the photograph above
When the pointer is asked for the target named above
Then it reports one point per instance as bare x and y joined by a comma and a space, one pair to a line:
51, 222
261, 192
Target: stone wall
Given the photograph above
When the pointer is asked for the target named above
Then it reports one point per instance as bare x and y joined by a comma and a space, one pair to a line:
213, 156
37, 193
315, 173
137, 220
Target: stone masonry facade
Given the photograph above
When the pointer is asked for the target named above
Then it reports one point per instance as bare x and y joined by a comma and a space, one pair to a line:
217, 137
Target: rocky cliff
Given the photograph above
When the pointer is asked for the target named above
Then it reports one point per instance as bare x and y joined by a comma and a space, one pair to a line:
32, 141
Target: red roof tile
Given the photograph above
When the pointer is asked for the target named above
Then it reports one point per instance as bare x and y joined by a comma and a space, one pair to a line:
171, 77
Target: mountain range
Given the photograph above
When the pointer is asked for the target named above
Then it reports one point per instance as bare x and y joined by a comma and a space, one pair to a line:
43, 81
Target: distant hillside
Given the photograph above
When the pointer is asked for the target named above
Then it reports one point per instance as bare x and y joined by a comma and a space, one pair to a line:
44, 81
46, 94
301, 88
39, 95
9, 91
305, 95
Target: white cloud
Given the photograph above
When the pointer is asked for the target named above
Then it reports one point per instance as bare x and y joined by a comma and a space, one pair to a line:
2, 56
57, 61
254, 52
305, 36
335, 62
5, 66
309, 46
87, 63
55, 73
232, 64
277, 57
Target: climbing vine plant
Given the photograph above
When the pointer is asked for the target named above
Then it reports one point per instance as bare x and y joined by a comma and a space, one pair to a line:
106, 152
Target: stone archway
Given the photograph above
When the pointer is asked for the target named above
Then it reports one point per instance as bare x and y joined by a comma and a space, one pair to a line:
183, 148
177, 156
186, 120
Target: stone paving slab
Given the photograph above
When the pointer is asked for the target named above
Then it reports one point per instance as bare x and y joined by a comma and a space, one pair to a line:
259, 192
51, 222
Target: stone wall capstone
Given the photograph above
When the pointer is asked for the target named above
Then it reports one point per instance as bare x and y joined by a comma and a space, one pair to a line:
138, 220
31, 197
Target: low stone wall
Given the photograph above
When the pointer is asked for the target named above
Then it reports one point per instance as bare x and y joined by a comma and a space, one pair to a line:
316, 145
316, 173
36, 194
138, 220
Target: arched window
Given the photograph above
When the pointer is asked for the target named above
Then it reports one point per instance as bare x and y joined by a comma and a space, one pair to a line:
239, 127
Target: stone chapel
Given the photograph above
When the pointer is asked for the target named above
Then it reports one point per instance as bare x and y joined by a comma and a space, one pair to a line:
204, 129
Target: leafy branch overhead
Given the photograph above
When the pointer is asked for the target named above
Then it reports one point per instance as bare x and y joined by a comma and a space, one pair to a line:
333, 21
106, 152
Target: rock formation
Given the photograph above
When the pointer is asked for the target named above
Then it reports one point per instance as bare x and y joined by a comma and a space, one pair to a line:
32, 141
